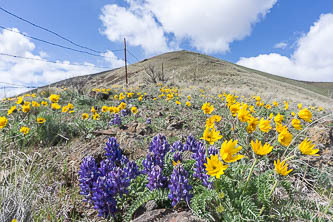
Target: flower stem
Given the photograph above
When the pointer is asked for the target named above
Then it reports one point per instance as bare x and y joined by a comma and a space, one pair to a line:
269, 195
251, 171
289, 158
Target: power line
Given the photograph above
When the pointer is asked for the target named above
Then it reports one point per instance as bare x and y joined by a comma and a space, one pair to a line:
17, 85
132, 54
55, 62
55, 44
50, 31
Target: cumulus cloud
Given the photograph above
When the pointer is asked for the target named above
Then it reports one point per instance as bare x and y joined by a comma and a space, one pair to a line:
32, 72
111, 58
311, 61
209, 26
280, 45
136, 24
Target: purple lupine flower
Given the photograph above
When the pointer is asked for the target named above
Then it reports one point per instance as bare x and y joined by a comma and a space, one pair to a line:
105, 167
179, 186
177, 157
148, 163
148, 121
116, 120
191, 144
103, 198
212, 150
106, 189
114, 153
159, 145
177, 146
88, 175
132, 170
199, 167
124, 112
156, 179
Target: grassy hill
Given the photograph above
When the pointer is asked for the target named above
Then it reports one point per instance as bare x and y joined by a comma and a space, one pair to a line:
92, 149
183, 67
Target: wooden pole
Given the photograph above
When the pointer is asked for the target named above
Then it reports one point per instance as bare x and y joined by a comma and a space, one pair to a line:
125, 61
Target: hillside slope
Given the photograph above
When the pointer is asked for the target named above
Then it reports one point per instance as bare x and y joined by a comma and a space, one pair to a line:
184, 67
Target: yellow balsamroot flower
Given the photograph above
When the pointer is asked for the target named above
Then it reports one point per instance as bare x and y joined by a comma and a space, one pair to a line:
54, 98
252, 123
216, 118
115, 97
140, 98
35, 104
282, 168
134, 110
228, 151
305, 115
207, 108
25, 108
320, 108
93, 110
175, 163
211, 136
11, 110
275, 104
268, 106
121, 96
96, 116
55, 106
129, 95
188, 104
122, 106
14, 220
243, 113
65, 109
285, 137
259, 149
215, 167
296, 123
286, 105
70, 106
189, 98
230, 99
306, 147
234, 109
105, 109
19, 100
271, 115
41, 120
264, 125
279, 127
25, 130
178, 103
251, 108
3, 121
278, 118
293, 114
299, 106
44, 103
85, 115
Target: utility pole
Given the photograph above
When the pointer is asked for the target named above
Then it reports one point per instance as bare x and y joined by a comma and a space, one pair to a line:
125, 61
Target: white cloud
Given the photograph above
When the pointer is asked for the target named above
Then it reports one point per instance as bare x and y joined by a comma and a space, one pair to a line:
136, 24
311, 61
32, 72
209, 26
113, 59
280, 45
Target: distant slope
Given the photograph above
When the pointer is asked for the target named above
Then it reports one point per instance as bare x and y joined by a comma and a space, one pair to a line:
184, 67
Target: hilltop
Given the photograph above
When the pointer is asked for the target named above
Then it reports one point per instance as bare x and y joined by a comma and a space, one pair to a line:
185, 67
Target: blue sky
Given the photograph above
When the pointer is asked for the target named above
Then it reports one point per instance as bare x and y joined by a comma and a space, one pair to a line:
243, 32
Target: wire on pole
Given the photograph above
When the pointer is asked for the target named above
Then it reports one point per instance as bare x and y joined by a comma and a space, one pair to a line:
48, 30
55, 62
